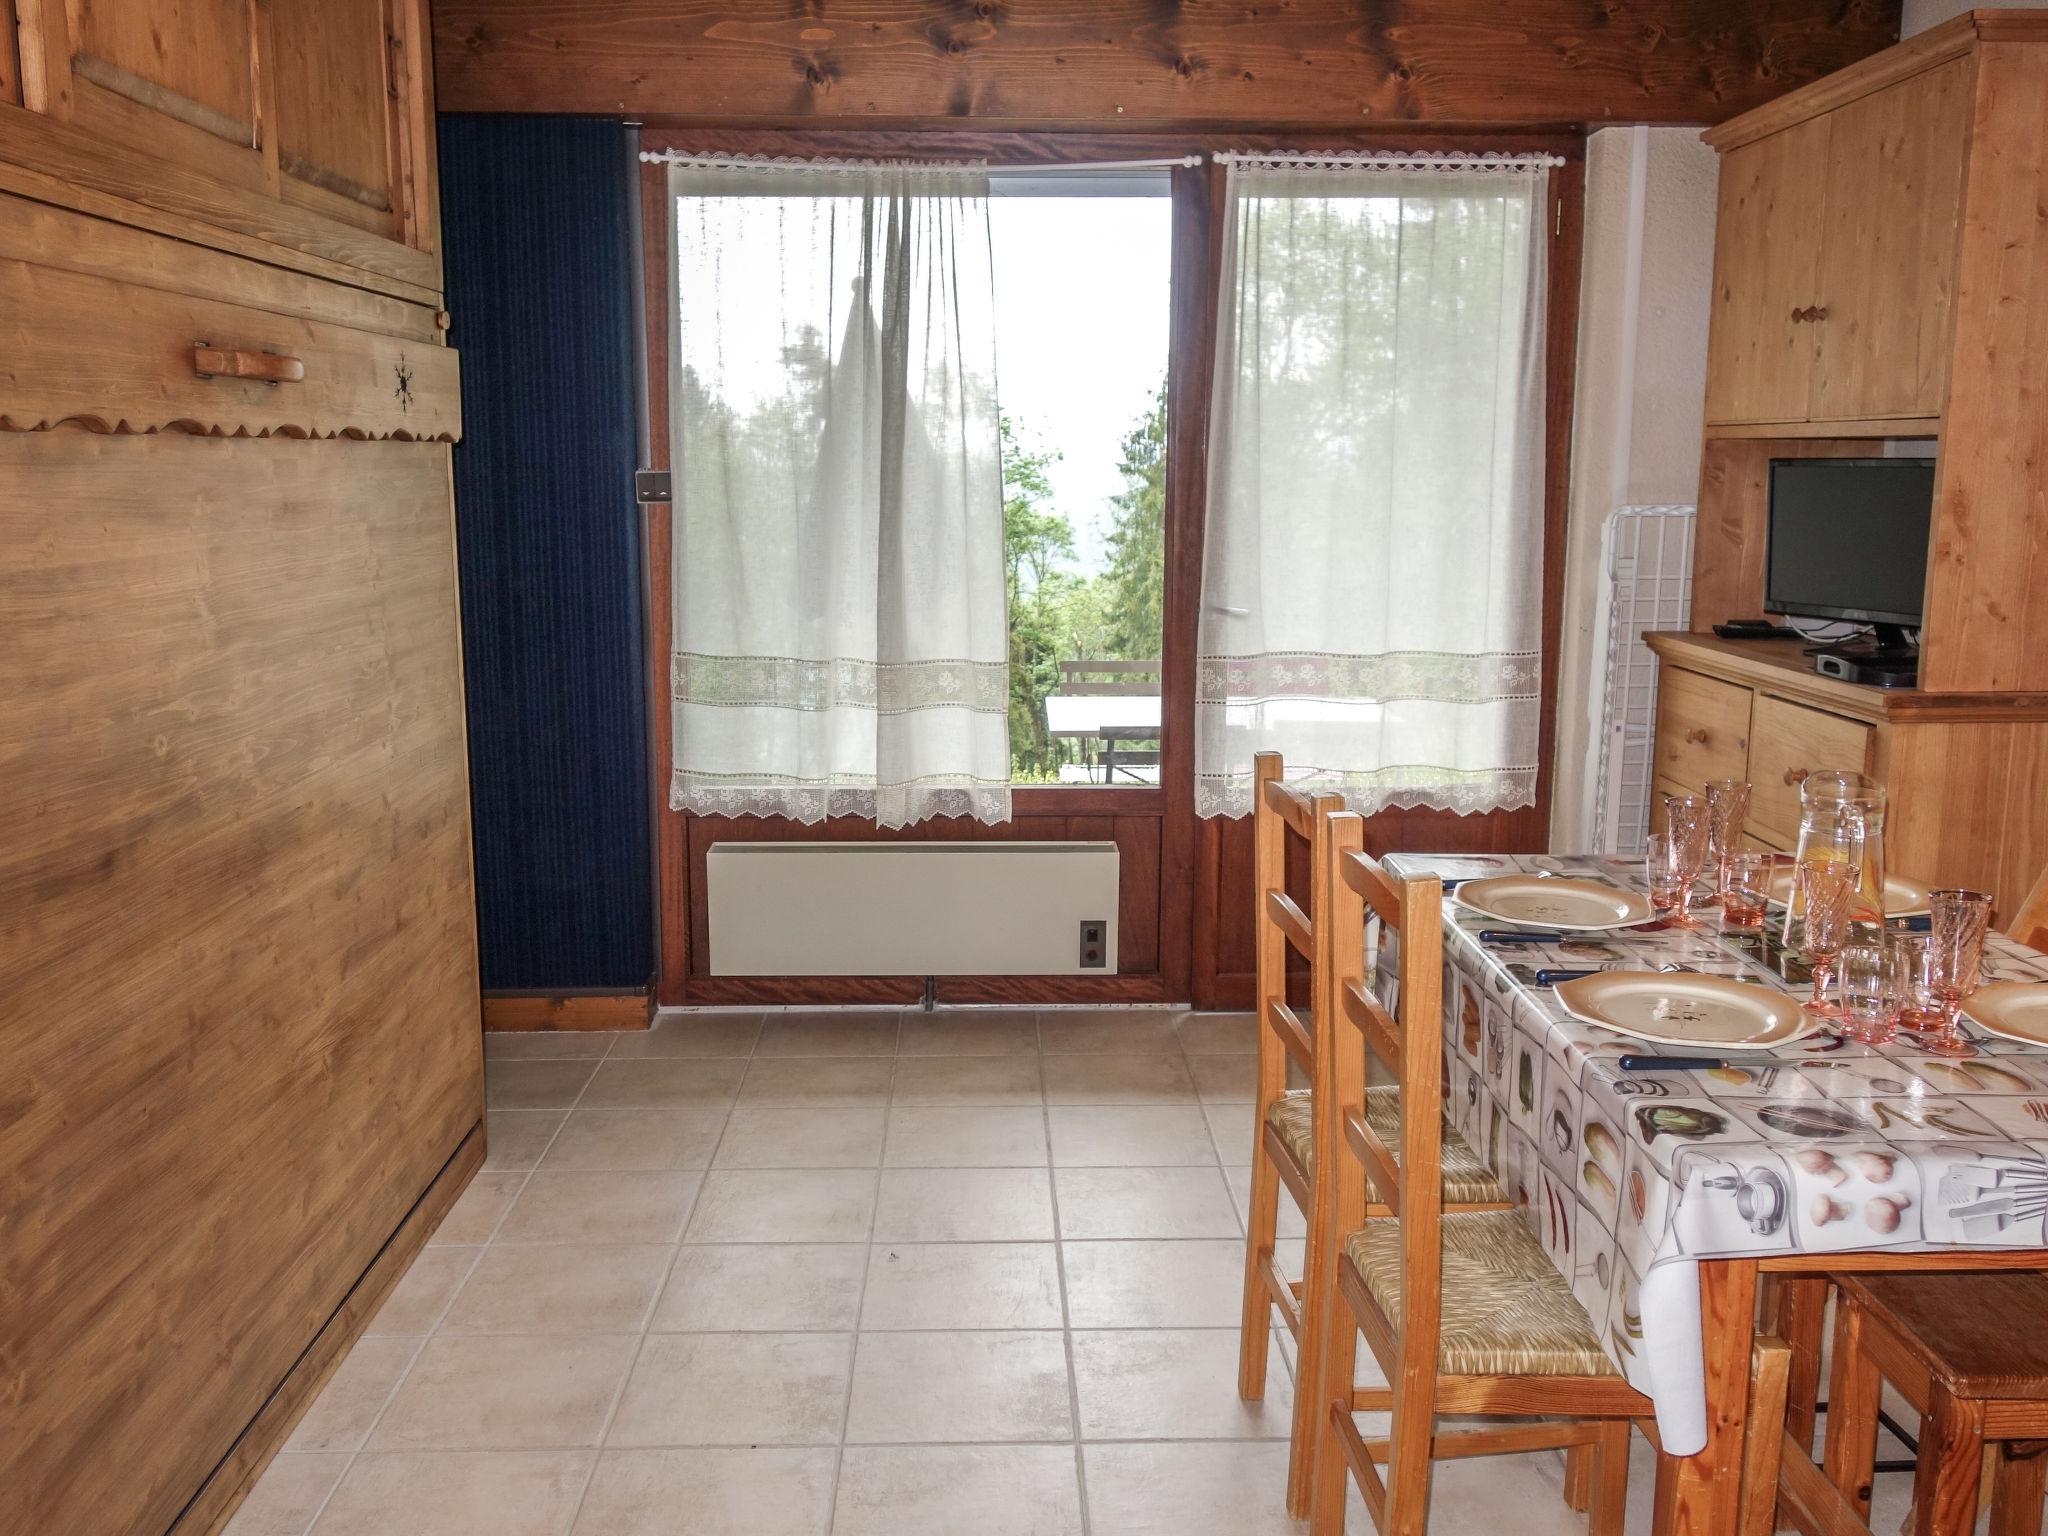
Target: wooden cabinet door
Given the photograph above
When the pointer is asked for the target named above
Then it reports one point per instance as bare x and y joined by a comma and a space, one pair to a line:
1766, 258
1888, 249
339, 140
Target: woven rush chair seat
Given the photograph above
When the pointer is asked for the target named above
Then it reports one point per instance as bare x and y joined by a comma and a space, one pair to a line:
1506, 1309
1466, 1180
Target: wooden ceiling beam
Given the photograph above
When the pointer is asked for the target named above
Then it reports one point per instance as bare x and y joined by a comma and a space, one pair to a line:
1123, 64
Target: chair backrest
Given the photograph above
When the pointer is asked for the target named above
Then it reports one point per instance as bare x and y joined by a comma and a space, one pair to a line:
1136, 679
1281, 813
1408, 1041
2029, 925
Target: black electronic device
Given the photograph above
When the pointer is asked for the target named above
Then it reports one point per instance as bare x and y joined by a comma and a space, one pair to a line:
1755, 629
1848, 540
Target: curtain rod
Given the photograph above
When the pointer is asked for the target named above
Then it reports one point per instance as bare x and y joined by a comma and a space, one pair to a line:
1389, 160
826, 162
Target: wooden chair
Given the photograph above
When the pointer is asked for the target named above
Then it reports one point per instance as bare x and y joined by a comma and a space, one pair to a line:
1289, 1144
1970, 1352
1462, 1308
2029, 925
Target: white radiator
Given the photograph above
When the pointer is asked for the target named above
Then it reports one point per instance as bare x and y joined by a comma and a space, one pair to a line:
1649, 586
912, 909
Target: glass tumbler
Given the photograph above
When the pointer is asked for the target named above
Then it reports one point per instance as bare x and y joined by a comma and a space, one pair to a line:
1867, 988
1746, 890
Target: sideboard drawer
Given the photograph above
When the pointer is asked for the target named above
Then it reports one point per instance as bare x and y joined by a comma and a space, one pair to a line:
1702, 729
1788, 742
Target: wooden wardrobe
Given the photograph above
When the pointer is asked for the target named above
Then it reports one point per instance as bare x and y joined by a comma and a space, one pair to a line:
1881, 273
240, 1055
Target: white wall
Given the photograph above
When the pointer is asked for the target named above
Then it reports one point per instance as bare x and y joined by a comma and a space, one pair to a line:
1640, 392
1919, 15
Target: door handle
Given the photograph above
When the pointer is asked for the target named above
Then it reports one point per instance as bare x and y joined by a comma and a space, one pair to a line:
211, 362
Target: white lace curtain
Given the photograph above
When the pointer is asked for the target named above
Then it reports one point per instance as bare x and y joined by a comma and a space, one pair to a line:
1372, 573
840, 638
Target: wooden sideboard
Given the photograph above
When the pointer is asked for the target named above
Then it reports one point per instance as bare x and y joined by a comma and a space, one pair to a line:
1966, 775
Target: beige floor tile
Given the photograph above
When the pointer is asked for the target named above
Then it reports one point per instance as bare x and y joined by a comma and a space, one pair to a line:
1158, 1079
1225, 1079
981, 1032
1231, 1127
801, 1081
1130, 1136
584, 1207
516, 1084
942, 1490
828, 1034
1172, 1384
1145, 1284
636, 1140
546, 1044
346, 1409
965, 1138
1144, 1202
1108, 1032
789, 1205
958, 1205
959, 1387
458, 1493
735, 1389
1291, 1222
960, 1081
692, 1034
764, 1287
559, 1288
514, 1139
706, 1083
478, 1209
1221, 1488
288, 1495
424, 1291
1219, 1034
487, 1393
802, 1138
730, 1492
962, 1285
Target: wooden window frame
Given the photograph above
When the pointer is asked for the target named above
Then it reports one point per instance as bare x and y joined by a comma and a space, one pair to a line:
1190, 918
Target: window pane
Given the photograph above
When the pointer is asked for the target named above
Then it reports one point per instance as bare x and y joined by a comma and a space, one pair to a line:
1081, 285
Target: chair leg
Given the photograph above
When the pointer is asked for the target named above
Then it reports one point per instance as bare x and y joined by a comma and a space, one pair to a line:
1410, 1440
1763, 1450
1795, 1310
1318, 1295
2017, 1490
1610, 1483
1330, 1474
1854, 1390
1951, 1451
1262, 1222
1578, 1477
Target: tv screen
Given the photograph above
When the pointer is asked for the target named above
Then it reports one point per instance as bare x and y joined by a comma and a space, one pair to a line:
1848, 539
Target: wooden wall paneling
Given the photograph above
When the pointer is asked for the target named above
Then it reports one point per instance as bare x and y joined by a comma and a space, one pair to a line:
237, 716
1886, 278
672, 885
1987, 827
117, 357
42, 235
1128, 63
504, 1011
1987, 595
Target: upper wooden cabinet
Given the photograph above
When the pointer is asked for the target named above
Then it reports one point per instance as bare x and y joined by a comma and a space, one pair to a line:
304, 124
1835, 258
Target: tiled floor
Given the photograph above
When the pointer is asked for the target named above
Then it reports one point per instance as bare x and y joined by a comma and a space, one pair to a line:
839, 1275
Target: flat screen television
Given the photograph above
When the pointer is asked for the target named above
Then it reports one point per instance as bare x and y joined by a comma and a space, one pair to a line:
1848, 540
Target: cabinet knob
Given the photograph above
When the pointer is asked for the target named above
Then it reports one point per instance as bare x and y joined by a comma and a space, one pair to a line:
1818, 312
1697, 735
1796, 776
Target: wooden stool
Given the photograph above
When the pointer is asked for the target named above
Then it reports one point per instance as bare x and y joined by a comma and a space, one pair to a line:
1970, 1352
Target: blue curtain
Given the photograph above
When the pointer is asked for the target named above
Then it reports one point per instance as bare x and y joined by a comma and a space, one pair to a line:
537, 229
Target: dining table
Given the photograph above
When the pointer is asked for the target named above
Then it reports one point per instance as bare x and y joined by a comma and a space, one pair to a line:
1668, 1197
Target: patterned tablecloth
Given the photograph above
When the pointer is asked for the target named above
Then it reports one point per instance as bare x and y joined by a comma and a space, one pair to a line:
1821, 1146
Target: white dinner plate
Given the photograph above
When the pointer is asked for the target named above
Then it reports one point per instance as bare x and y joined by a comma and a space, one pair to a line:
1555, 901
1902, 897
1682, 1008
2012, 1010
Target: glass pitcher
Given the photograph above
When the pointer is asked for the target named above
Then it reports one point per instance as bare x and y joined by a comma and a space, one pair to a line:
1841, 816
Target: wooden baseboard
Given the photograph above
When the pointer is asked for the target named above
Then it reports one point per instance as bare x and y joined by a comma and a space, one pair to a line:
222, 1493
568, 1010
